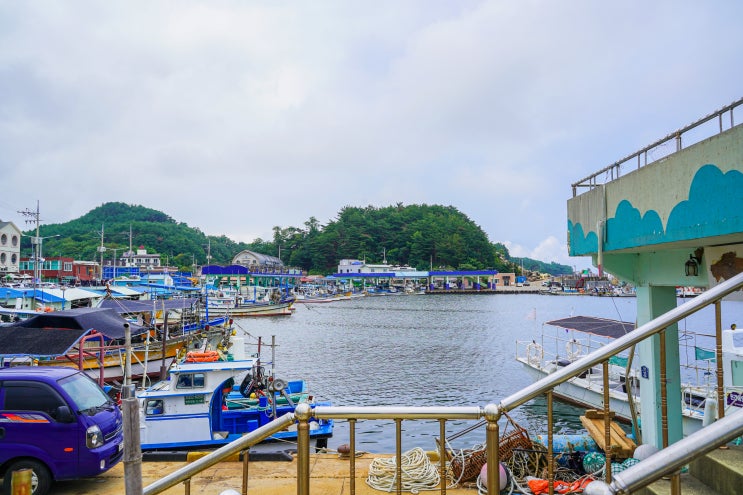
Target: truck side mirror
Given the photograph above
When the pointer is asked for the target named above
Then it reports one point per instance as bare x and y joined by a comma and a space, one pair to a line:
64, 415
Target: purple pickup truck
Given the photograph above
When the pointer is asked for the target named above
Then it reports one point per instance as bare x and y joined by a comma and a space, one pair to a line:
57, 422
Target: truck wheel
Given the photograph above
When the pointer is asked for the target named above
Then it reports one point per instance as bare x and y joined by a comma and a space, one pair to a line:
41, 479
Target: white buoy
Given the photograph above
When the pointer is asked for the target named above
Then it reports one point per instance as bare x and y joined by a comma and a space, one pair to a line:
710, 412
644, 451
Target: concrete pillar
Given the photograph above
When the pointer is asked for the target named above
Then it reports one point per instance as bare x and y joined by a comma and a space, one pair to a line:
653, 301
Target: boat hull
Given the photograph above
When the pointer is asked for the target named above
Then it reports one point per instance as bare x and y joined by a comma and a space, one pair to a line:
281, 309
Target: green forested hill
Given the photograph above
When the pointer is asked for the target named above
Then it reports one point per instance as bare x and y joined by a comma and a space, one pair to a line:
417, 235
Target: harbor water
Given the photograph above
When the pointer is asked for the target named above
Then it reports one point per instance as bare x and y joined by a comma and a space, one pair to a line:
424, 350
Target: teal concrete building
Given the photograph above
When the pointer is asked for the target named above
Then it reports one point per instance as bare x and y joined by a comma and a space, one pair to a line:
673, 222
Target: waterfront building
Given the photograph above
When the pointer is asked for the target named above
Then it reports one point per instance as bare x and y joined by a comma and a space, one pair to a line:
141, 259
10, 248
674, 222
56, 269
256, 262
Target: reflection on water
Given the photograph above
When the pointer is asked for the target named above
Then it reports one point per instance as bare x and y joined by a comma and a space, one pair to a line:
448, 350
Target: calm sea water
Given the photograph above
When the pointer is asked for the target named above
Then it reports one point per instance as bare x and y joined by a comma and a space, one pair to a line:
449, 350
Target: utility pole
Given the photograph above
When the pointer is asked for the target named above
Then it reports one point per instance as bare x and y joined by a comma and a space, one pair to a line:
33, 217
101, 249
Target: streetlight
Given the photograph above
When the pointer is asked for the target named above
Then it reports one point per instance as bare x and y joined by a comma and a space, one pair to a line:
37, 242
64, 288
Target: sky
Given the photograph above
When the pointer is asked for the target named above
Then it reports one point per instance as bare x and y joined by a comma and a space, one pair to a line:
237, 116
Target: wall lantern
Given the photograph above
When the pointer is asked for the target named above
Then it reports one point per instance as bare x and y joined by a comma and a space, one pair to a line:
692, 265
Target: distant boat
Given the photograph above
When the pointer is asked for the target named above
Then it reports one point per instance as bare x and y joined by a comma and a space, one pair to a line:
228, 301
202, 405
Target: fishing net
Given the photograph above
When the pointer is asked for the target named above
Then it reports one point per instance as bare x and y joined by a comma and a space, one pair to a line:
466, 465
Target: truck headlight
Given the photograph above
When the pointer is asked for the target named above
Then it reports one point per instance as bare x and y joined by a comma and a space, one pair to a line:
93, 437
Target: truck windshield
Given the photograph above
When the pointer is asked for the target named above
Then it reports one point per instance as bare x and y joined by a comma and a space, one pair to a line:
88, 396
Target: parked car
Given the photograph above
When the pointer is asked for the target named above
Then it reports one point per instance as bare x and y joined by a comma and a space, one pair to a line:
57, 422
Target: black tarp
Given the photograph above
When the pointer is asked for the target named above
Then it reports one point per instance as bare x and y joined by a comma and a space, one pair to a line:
38, 342
124, 306
597, 326
106, 320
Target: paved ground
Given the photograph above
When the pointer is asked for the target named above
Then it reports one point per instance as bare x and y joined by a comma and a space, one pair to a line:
329, 476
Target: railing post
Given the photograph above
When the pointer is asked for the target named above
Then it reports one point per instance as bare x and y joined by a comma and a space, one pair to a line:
302, 413
352, 453
550, 446
442, 454
398, 455
607, 422
718, 358
246, 459
492, 414
663, 388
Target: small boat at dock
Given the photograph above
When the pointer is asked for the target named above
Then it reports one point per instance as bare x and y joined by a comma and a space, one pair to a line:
208, 401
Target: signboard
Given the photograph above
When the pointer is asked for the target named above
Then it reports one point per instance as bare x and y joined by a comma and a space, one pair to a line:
193, 399
645, 372
735, 399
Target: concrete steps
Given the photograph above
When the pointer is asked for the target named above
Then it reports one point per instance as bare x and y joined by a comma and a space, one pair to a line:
718, 473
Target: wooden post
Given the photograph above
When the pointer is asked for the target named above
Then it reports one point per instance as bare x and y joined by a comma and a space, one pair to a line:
132, 448
128, 359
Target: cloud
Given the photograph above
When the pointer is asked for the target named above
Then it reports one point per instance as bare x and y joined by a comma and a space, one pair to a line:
549, 250
236, 116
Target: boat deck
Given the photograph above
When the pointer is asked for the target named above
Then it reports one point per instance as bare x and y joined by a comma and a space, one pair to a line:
329, 475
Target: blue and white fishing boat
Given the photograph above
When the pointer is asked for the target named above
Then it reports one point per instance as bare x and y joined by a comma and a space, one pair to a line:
206, 404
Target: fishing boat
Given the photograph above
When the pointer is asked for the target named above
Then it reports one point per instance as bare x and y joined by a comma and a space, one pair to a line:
572, 338
231, 302
207, 402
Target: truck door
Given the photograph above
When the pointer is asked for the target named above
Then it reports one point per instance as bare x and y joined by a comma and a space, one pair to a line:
32, 426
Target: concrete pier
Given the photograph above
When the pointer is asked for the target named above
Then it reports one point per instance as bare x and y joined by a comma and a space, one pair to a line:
329, 475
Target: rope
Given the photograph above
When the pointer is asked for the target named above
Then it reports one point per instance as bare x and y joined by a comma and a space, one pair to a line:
418, 473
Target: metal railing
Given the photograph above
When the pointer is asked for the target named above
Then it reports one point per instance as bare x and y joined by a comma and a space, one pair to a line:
668, 461
613, 171
673, 458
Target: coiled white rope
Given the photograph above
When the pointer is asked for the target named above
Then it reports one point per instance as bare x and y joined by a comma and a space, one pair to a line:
418, 473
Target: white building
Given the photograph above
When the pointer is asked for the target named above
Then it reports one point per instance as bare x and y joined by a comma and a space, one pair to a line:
10, 248
358, 266
140, 259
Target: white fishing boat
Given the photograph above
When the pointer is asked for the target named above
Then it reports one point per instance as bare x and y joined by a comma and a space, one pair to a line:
572, 338
207, 402
232, 302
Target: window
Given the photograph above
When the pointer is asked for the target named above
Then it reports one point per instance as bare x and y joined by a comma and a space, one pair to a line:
13, 259
190, 380
14, 240
154, 407
67, 266
3, 258
32, 396
4, 239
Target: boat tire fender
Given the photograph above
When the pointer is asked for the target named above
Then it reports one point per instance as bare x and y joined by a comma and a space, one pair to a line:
574, 349
534, 353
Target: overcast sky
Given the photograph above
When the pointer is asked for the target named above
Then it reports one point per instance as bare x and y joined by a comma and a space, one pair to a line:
238, 116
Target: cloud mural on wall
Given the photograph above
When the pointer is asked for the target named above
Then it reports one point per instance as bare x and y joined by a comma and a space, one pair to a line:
628, 228
712, 194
